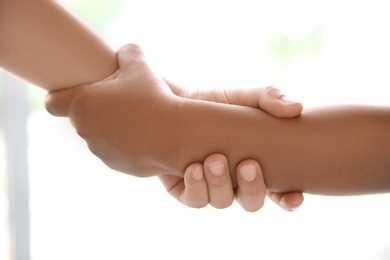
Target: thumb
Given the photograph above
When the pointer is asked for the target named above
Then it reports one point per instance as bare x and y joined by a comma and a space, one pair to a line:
130, 56
275, 103
58, 102
268, 99
289, 201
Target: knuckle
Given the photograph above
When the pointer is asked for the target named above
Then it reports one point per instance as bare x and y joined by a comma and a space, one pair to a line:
255, 190
220, 183
269, 91
269, 88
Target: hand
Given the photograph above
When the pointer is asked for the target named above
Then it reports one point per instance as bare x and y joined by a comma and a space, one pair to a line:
269, 99
200, 187
133, 105
98, 111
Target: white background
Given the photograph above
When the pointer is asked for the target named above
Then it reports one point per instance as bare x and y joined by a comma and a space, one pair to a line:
82, 210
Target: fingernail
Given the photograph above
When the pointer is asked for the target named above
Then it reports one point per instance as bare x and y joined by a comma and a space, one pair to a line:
294, 209
197, 175
248, 172
287, 100
216, 168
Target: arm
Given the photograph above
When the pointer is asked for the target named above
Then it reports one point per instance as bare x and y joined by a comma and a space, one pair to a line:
329, 151
47, 46
199, 187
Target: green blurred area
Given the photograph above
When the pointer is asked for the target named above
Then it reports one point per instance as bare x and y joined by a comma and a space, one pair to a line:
287, 50
97, 13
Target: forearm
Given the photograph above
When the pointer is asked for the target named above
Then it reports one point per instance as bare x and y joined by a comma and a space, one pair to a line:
42, 43
329, 151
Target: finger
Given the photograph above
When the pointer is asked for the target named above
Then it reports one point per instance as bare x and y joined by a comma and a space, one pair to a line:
275, 103
195, 194
289, 201
130, 56
269, 99
178, 91
251, 187
58, 103
173, 184
133, 66
219, 184
192, 190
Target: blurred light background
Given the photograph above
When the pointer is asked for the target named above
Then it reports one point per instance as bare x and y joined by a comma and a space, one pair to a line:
318, 52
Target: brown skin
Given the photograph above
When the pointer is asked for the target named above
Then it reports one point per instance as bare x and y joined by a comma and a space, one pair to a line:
45, 45
330, 151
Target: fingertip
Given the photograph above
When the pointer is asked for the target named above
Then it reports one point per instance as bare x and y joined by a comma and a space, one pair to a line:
251, 187
49, 104
219, 182
195, 194
216, 165
250, 179
299, 107
288, 201
293, 200
291, 108
130, 48
277, 104
127, 52
249, 170
195, 172
279, 108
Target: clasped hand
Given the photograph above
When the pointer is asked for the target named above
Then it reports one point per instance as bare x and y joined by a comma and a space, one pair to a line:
130, 121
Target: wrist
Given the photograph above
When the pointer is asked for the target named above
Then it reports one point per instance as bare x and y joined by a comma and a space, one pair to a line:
201, 128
